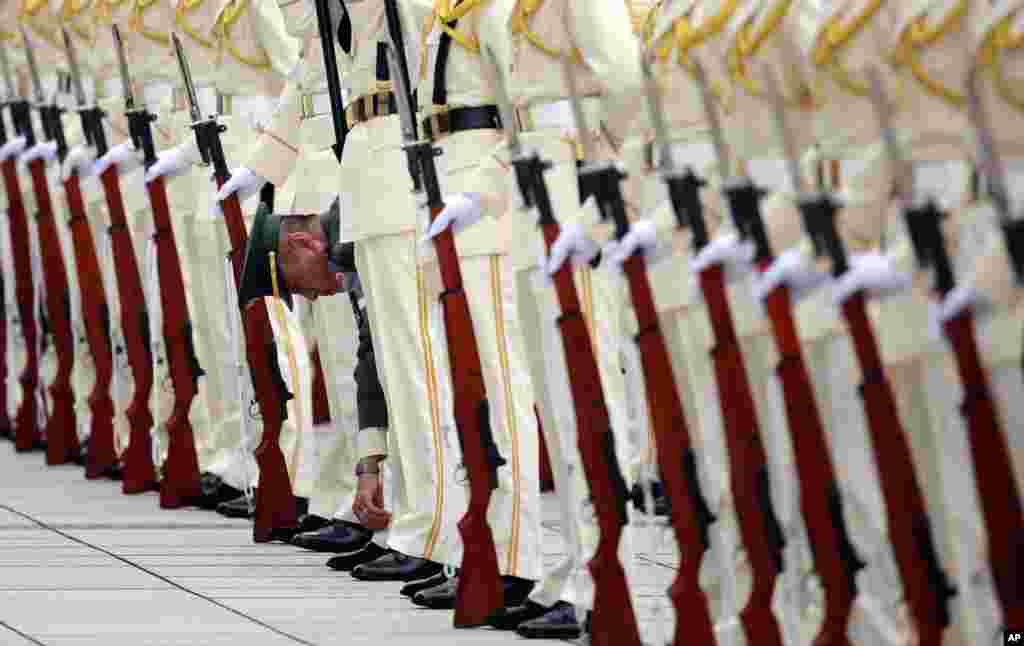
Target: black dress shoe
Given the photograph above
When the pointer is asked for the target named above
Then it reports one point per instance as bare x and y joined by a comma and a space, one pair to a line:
237, 508
345, 562
339, 537
83, 454
312, 522
395, 566
214, 491
301, 506
511, 617
557, 623
442, 597
410, 589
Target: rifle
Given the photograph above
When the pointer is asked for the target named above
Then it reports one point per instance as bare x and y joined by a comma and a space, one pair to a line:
677, 462
925, 586
61, 428
835, 559
593, 425
276, 512
748, 464
180, 485
102, 457
139, 471
998, 492
480, 591
26, 420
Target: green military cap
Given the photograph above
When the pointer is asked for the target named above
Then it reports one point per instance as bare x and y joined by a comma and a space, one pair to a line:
263, 239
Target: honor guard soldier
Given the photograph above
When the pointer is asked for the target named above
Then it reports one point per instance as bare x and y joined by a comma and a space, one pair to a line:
297, 143
599, 37
456, 99
243, 55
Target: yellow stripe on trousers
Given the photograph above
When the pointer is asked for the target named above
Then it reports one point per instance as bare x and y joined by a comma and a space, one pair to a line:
428, 358
510, 418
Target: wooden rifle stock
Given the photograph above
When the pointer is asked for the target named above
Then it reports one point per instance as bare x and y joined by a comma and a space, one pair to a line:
276, 510
139, 471
180, 485
480, 592
26, 421
61, 428
748, 464
998, 492
676, 462
924, 584
102, 456
613, 620
993, 473
925, 587
835, 559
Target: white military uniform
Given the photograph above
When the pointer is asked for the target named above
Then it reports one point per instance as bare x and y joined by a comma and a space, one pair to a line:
914, 361
297, 143
242, 53
603, 35
514, 513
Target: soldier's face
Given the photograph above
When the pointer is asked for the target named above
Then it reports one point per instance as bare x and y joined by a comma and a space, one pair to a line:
304, 264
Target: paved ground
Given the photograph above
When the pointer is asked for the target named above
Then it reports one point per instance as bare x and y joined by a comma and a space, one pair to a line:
80, 563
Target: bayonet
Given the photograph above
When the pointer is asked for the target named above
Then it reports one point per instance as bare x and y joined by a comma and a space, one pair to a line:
583, 135
714, 123
783, 132
126, 78
683, 186
186, 76
406, 112
988, 155
76, 76
995, 177
903, 172
30, 56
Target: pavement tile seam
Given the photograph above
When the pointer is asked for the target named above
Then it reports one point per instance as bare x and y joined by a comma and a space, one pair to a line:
28, 638
273, 629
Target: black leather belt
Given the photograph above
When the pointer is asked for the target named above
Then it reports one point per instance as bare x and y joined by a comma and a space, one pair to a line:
484, 117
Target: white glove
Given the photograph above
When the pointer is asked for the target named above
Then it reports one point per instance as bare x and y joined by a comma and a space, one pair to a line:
794, 271
123, 155
174, 162
728, 250
80, 160
572, 242
244, 182
12, 148
963, 297
461, 211
641, 236
873, 272
47, 151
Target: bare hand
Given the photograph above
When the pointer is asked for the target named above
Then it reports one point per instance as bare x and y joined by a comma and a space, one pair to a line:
369, 503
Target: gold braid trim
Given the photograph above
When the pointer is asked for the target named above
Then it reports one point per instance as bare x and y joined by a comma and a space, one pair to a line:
180, 11
521, 25
138, 24
225, 23
833, 38
919, 35
746, 45
999, 40
684, 37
